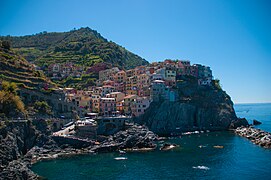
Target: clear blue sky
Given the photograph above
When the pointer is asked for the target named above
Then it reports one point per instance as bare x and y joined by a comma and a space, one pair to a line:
231, 36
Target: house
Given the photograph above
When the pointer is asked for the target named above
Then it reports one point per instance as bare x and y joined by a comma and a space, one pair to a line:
170, 75
95, 101
140, 70
155, 76
162, 72
144, 92
140, 105
130, 72
108, 106
106, 90
142, 81
183, 67
119, 96
108, 83
86, 128
120, 87
131, 85
158, 90
128, 100
194, 71
110, 125
120, 107
108, 74
120, 77
203, 71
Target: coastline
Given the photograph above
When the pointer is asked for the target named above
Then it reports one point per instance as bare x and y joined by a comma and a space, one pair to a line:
256, 136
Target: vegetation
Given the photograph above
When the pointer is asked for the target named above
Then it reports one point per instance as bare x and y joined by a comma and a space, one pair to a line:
5, 44
16, 69
83, 46
10, 103
42, 107
217, 84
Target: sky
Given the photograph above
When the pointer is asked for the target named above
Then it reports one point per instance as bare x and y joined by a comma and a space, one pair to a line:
233, 37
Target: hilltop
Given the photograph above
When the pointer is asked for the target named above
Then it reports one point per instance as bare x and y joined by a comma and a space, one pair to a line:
84, 47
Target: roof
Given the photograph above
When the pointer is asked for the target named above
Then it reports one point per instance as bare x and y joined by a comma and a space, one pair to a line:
107, 98
107, 86
130, 96
116, 93
158, 81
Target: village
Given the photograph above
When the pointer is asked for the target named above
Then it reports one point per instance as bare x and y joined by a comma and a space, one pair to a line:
121, 95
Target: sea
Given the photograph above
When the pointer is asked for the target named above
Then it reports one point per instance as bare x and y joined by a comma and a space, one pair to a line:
196, 158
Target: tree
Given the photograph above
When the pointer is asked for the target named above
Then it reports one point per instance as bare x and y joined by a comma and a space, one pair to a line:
6, 45
9, 87
10, 104
217, 84
42, 107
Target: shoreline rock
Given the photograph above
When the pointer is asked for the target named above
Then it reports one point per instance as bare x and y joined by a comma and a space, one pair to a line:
257, 136
255, 122
22, 146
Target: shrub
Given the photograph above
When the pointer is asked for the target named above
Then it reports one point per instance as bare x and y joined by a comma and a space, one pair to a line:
42, 107
217, 84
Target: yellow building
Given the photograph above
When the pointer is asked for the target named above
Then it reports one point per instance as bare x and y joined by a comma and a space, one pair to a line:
128, 100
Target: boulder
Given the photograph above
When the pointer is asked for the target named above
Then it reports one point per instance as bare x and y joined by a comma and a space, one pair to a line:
238, 123
255, 122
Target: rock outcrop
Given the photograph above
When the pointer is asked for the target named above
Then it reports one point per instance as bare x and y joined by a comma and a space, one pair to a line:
198, 108
257, 136
16, 139
238, 123
255, 122
21, 145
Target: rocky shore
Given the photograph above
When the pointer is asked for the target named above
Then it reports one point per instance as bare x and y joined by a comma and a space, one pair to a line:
257, 136
22, 145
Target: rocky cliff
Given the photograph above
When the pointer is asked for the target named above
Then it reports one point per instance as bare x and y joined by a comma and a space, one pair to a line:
16, 139
197, 108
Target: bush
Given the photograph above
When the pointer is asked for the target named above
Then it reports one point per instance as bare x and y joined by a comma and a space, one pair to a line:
11, 104
217, 84
42, 107
10, 87
6, 45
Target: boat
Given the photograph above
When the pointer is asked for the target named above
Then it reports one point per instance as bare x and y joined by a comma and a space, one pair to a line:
168, 146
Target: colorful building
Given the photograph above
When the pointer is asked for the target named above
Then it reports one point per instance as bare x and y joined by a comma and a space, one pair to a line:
140, 105
108, 74
128, 100
158, 89
108, 106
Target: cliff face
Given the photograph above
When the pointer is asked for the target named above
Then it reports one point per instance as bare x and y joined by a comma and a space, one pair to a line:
16, 139
198, 108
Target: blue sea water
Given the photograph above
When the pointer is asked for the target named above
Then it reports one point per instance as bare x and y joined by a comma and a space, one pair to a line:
196, 158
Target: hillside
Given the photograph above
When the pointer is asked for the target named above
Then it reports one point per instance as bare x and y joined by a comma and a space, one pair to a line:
83, 46
15, 68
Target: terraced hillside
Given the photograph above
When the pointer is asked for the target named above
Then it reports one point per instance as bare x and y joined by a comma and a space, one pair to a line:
83, 46
15, 68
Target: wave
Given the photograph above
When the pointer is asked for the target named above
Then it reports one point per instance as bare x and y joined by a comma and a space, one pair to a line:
201, 167
120, 158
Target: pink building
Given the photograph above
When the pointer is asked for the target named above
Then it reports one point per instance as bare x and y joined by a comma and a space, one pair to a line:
119, 96
140, 105
106, 90
108, 106
108, 83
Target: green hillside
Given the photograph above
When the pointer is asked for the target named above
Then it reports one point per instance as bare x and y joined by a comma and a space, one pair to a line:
14, 68
83, 47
